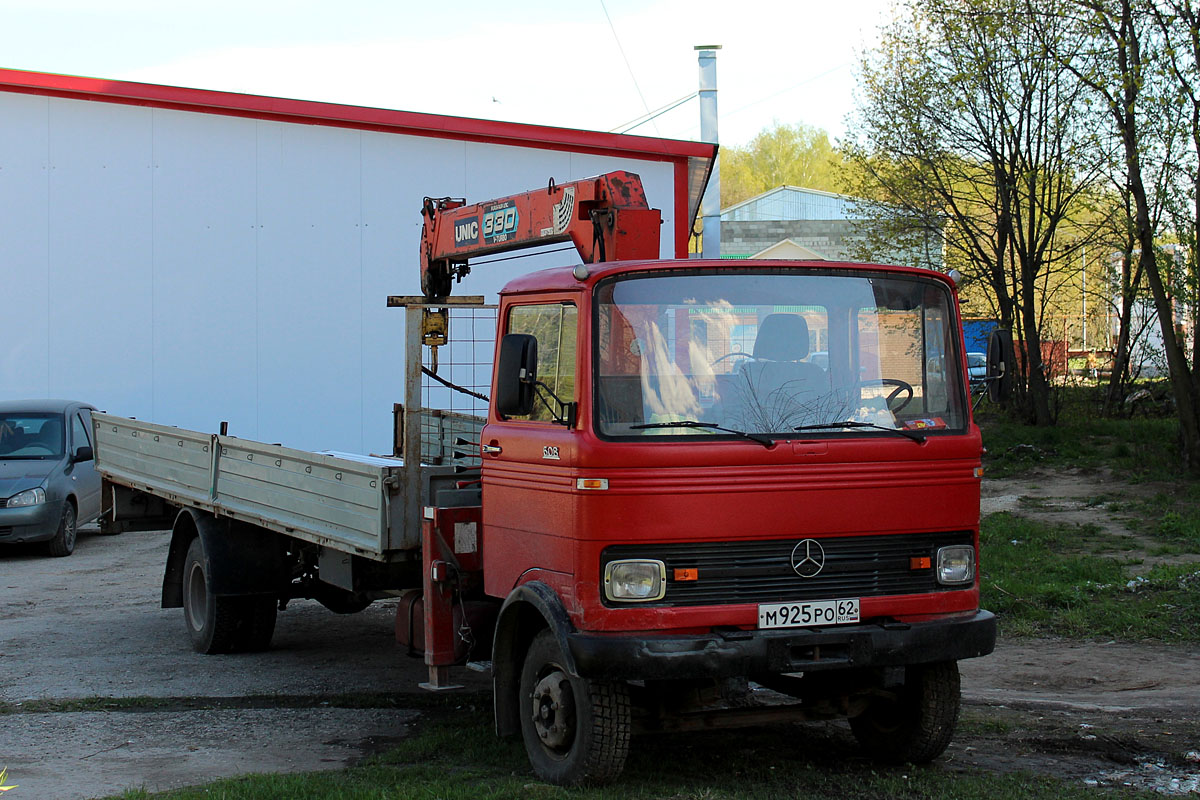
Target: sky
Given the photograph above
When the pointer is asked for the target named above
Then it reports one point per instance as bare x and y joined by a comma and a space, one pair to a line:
590, 64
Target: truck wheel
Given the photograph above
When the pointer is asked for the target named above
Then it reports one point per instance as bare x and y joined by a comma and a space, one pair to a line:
576, 730
222, 624
63, 543
918, 723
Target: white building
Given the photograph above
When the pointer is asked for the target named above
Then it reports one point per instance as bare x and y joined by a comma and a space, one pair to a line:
188, 256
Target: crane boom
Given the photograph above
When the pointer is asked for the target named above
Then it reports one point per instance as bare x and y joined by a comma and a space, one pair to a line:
606, 217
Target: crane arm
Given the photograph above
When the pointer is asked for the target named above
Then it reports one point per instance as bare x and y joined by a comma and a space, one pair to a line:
606, 217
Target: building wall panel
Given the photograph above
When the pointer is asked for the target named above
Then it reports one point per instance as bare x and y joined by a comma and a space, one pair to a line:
24, 251
100, 329
189, 268
205, 273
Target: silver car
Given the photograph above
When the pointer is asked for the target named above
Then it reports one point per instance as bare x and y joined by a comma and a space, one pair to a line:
48, 482
977, 371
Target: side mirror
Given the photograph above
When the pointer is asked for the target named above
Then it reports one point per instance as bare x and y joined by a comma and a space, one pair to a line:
84, 453
516, 372
1001, 365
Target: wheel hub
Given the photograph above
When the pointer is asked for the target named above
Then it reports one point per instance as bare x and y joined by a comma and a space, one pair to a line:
197, 597
554, 711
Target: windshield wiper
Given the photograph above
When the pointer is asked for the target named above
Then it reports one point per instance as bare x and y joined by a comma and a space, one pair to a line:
916, 437
765, 441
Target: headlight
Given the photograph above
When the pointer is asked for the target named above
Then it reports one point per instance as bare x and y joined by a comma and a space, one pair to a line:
635, 580
956, 565
29, 497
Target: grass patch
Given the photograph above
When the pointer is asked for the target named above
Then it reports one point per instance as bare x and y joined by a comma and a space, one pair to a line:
455, 756
1181, 527
1043, 580
1141, 449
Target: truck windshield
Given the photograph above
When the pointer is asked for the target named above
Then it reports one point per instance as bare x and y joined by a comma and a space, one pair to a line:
776, 350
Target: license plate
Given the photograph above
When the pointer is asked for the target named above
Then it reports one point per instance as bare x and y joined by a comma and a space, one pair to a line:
805, 615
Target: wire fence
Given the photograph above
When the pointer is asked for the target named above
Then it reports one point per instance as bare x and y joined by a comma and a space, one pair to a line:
455, 384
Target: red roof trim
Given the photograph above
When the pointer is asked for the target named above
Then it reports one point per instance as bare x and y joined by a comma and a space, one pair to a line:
315, 113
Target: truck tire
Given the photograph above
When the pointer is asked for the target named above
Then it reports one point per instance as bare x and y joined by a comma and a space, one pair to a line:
576, 731
918, 723
63, 543
222, 624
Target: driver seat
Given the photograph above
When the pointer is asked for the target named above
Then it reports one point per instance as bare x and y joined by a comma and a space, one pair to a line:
777, 390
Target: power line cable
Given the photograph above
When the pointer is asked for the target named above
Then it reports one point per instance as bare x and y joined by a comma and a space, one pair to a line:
643, 119
690, 129
791, 88
628, 66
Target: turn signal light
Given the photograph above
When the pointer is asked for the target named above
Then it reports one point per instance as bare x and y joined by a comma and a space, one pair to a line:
923, 562
689, 574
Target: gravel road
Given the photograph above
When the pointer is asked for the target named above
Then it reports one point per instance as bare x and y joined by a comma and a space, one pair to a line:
89, 626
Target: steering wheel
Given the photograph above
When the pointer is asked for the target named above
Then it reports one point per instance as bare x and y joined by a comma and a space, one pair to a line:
734, 354
902, 387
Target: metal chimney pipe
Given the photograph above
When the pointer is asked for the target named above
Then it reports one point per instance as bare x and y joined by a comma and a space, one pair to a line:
710, 204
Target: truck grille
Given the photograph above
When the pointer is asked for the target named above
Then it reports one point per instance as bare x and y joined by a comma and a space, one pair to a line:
761, 571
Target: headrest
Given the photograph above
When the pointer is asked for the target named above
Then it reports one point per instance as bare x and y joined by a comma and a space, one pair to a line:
782, 337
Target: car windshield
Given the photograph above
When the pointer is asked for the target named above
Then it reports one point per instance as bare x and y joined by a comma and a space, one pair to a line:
977, 360
31, 435
773, 351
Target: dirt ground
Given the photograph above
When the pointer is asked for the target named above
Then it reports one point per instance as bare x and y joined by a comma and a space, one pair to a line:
89, 626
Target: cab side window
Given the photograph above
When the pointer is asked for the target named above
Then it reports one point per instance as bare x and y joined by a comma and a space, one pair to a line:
554, 327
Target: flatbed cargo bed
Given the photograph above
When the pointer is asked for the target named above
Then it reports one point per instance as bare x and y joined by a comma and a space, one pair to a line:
355, 504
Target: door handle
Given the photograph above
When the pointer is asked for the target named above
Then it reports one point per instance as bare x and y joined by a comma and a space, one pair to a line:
491, 449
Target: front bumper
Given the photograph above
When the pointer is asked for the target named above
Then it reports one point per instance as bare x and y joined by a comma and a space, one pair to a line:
28, 523
737, 653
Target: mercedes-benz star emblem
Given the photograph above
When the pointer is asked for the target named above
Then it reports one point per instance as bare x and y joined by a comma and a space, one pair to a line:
808, 558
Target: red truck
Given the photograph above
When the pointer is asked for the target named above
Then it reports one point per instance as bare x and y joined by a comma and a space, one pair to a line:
710, 493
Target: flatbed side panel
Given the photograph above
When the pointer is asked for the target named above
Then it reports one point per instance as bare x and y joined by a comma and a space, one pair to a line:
169, 462
342, 502
331, 501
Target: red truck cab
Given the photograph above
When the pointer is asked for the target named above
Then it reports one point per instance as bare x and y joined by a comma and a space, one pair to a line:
725, 471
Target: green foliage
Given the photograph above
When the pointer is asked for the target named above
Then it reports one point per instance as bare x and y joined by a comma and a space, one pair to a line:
1182, 527
1137, 450
976, 149
785, 155
1040, 580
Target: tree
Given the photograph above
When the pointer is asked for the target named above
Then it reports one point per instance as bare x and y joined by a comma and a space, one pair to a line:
785, 155
1178, 26
971, 132
1138, 66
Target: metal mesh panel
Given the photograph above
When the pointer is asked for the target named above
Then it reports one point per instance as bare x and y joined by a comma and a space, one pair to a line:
458, 410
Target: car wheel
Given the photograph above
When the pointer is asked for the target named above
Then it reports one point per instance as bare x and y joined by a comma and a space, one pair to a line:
222, 624
63, 543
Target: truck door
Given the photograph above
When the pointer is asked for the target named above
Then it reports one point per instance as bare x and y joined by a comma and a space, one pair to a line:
528, 460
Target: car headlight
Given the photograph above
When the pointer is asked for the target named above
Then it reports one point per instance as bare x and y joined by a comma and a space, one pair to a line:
29, 497
635, 580
956, 565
